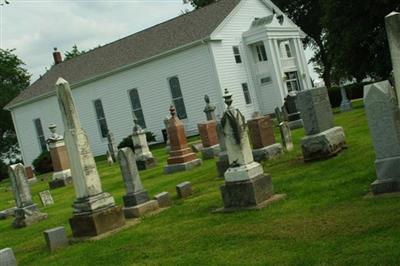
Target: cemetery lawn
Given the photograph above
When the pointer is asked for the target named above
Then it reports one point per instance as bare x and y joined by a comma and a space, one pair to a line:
325, 218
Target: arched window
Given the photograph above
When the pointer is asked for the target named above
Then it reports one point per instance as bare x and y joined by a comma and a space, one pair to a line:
101, 118
177, 97
137, 107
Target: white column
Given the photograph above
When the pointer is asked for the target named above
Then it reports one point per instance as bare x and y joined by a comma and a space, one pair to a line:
277, 67
302, 64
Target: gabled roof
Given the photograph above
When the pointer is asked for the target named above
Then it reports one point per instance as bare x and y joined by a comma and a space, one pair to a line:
135, 48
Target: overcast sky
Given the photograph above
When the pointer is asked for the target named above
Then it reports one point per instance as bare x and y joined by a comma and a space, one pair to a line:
35, 27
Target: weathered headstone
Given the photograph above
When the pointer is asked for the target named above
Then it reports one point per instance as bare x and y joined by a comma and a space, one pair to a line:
109, 157
286, 136
222, 161
26, 213
55, 238
163, 199
112, 148
246, 185
290, 112
59, 158
209, 139
384, 123
46, 198
167, 144
322, 139
94, 211
181, 158
345, 104
263, 139
209, 109
184, 190
392, 23
7, 257
136, 199
278, 115
143, 155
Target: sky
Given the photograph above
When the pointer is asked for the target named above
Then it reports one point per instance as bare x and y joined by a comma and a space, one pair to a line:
35, 27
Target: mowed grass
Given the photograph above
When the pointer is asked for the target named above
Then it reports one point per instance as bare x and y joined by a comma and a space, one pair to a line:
325, 218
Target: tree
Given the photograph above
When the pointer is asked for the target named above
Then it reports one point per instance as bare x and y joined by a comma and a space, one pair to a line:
308, 15
13, 79
200, 3
357, 36
73, 53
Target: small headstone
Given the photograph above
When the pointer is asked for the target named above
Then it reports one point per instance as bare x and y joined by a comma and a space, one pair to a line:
196, 147
110, 160
26, 213
46, 198
278, 115
56, 238
7, 257
209, 109
286, 136
112, 148
184, 190
30, 175
136, 200
209, 139
345, 104
143, 155
163, 199
167, 145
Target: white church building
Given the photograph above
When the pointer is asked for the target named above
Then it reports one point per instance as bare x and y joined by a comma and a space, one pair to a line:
247, 46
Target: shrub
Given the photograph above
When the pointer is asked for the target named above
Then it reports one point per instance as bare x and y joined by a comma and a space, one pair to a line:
127, 142
3, 170
42, 163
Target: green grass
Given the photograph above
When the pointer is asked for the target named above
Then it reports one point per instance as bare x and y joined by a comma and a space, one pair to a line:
325, 218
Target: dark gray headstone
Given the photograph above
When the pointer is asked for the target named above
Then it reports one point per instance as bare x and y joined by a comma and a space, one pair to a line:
184, 190
315, 110
56, 238
163, 199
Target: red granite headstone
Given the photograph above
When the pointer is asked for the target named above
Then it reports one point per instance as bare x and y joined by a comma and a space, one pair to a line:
208, 133
261, 132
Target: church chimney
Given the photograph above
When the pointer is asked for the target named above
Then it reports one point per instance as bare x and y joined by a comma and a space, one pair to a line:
57, 56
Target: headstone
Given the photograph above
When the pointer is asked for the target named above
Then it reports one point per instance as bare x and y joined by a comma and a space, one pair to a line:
246, 185
345, 104
291, 114
278, 115
322, 139
7, 257
263, 139
143, 155
209, 139
59, 158
136, 199
184, 190
181, 158
209, 109
55, 238
384, 124
196, 146
222, 162
26, 213
30, 175
94, 211
46, 198
167, 145
392, 23
163, 199
286, 136
112, 148
110, 160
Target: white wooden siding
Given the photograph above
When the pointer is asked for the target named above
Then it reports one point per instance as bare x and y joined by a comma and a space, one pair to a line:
232, 75
196, 77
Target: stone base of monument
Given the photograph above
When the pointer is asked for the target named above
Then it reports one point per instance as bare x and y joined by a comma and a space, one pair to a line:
267, 153
323, 145
136, 198
97, 223
172, 168
345, 106
388, 173
222, 164
210, 152
60, 182
141, 209
296, 124
255, 193
385, 186
27, 216
146, 164
4, 214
